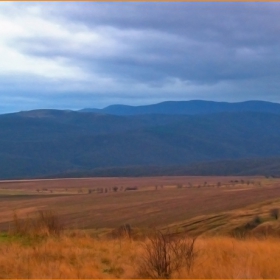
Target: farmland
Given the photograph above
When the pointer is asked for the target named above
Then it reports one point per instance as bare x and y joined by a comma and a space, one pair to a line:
92, 203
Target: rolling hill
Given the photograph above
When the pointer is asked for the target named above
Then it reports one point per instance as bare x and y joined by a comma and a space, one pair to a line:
42, 143
193, 107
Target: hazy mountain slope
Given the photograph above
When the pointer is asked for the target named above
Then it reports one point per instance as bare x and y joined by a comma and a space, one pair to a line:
47, 142
193, 107
240, 167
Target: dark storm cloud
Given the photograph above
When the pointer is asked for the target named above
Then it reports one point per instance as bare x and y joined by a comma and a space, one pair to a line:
232, 24
201, 42
218, 51
211, 19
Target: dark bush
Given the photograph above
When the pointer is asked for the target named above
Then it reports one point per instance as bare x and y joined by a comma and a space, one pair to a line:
164, 255
124, 231
45, 223
274, 213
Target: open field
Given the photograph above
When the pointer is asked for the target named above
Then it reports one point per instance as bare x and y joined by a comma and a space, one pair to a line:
157, 202
143, 182
233, 217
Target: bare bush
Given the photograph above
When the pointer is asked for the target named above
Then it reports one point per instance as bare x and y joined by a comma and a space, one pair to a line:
186, 251
46, 223
164, 255
122, 231
19, 227
49, 220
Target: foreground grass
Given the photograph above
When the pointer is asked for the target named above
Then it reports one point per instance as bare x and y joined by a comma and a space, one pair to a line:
79, 255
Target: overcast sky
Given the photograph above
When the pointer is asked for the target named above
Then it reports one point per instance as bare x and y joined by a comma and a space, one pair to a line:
76, 55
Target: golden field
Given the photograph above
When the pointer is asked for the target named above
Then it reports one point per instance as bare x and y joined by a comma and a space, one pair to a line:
234, 220
80, 256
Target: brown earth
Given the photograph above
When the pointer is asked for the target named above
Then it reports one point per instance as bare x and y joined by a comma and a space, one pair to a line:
173, 200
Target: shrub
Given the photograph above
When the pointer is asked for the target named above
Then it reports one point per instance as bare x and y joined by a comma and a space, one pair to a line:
244, 230
46, 223
274, 213
254, 223
50, 221
165, 255
122, 231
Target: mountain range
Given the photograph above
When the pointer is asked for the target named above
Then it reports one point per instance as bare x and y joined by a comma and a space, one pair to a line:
117, 140
193, 107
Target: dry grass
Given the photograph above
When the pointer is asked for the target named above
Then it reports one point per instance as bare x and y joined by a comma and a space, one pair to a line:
81, 256
34, 250
253, 220
75, 256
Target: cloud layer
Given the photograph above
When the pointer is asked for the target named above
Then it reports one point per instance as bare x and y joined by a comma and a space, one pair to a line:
75, 55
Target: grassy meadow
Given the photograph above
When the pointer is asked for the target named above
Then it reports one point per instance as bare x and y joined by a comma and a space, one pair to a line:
83, 256
203, 227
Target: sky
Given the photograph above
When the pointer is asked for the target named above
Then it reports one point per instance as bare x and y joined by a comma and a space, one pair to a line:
72, 55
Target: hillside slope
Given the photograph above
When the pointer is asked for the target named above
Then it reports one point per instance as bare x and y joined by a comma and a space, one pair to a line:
45, 142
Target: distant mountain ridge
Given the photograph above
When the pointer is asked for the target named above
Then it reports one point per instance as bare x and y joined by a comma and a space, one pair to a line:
41, 143
193, 107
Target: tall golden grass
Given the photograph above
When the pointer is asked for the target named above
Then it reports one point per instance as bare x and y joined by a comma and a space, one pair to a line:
81, 256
